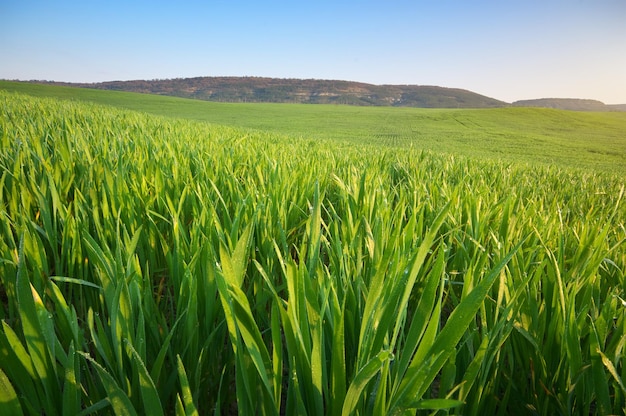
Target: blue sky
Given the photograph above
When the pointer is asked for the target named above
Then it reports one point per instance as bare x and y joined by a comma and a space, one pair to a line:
509, 50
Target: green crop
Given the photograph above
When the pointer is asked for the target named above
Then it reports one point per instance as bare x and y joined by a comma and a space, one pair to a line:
536, 136
153, 265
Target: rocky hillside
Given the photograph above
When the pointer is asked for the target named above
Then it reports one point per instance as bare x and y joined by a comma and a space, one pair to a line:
314, 91
309, 91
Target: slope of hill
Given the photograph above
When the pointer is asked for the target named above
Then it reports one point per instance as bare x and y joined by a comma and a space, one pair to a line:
617, 107
306, 91
593, 140
569, 104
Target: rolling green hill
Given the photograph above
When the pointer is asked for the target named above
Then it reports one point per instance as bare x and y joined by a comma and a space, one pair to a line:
593, 140
321, 264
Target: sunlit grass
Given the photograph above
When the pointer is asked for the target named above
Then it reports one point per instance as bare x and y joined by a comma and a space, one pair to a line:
536, 136
159, 266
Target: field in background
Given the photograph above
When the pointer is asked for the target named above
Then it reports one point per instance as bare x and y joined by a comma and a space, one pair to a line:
152, 265
592, 140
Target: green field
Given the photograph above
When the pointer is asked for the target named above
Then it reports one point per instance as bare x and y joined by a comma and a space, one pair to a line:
322, 260
535, 136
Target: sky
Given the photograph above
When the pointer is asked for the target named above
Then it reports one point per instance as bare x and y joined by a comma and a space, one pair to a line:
508, 49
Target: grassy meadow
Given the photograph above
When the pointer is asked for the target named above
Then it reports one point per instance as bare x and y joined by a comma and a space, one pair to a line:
536, 136
308, 260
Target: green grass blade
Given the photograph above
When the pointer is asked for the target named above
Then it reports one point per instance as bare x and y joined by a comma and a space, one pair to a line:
361, 379
338, 364
600, 379
120, 402
9, 402
95, 408
277, 352
234, 267
437, 404
314, 231
121, 321
423, 250
149, 394
424, 313
72, 280
100, 338
104, 262
15, 361
157, 365
187, 403
71, 386
421, 375
18, 349
469, 378
31, 309
240, 319
180, 409
613, 371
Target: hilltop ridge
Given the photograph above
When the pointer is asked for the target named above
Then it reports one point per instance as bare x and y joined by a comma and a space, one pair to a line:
316, 91
306, 91
574, 104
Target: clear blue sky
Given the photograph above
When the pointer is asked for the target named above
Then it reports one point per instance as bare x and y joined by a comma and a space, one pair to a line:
506, 49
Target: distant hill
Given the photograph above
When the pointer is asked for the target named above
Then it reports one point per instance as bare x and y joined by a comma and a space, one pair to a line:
569, 104
617, 107
309, 91
314, 91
